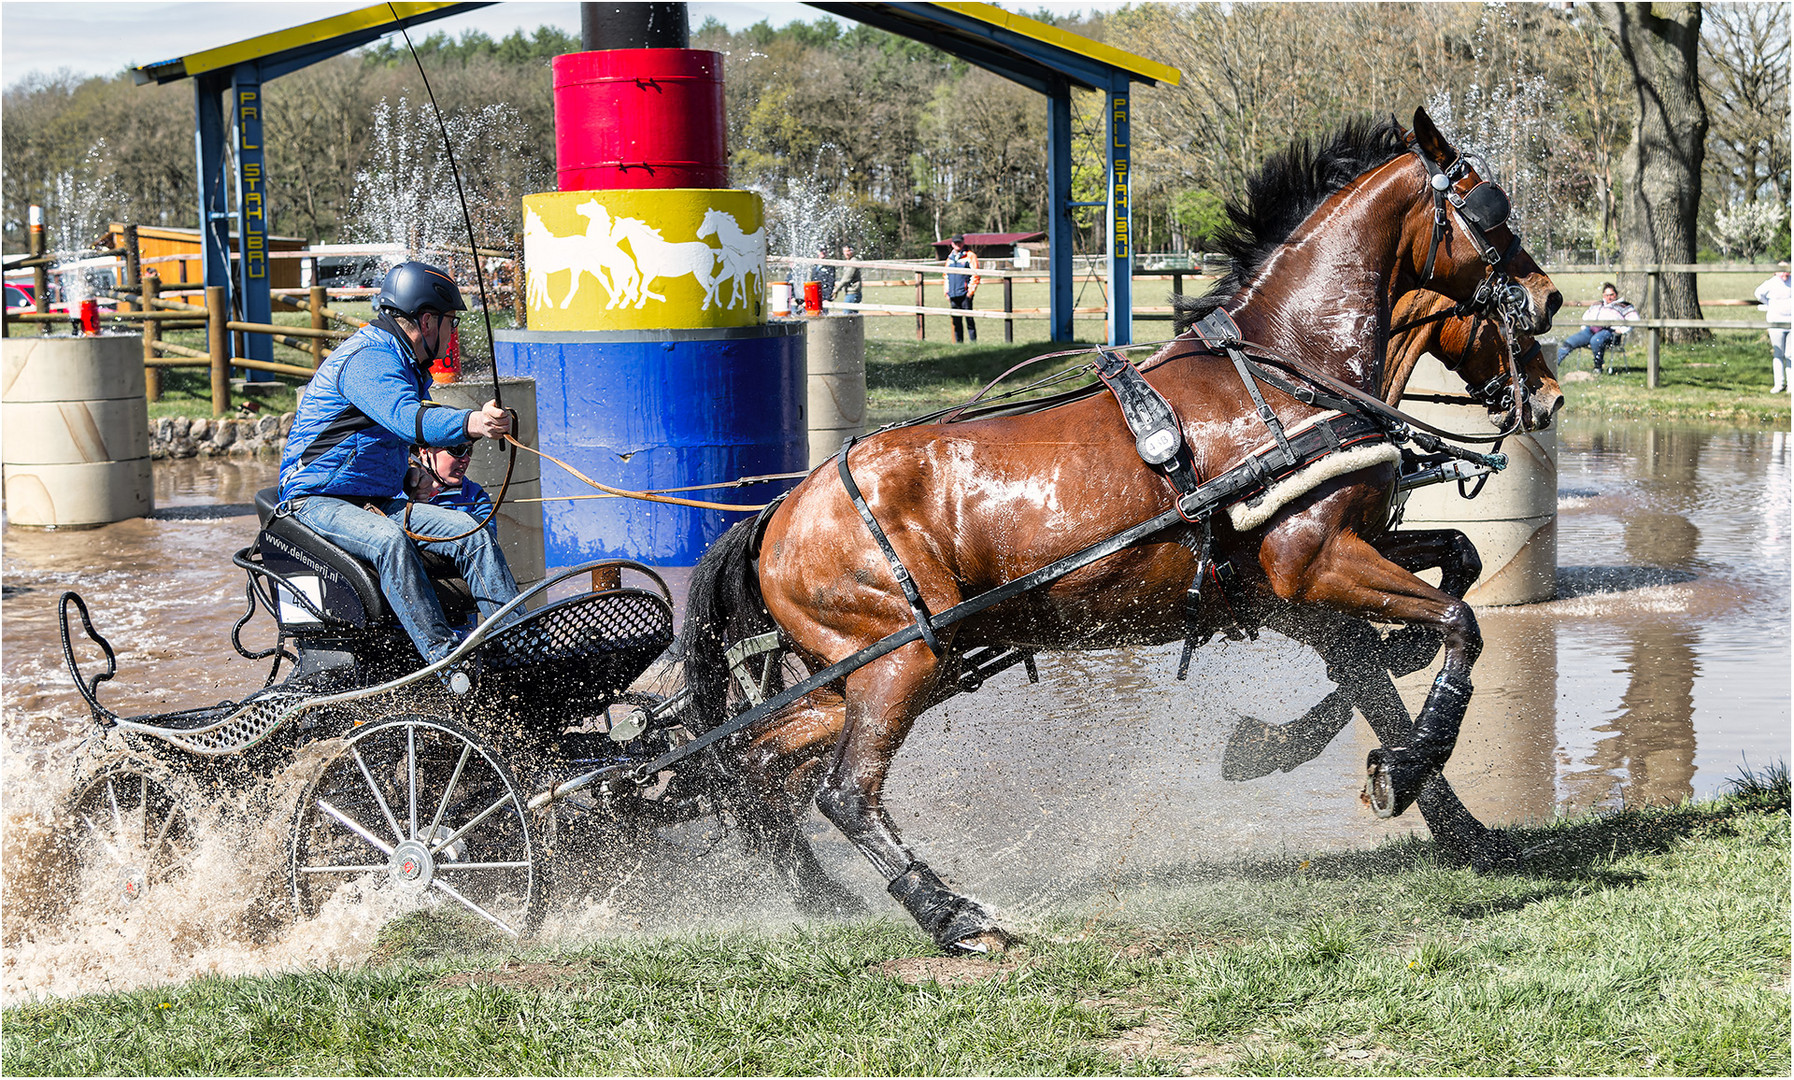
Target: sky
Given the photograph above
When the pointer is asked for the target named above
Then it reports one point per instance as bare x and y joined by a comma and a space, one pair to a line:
106, 37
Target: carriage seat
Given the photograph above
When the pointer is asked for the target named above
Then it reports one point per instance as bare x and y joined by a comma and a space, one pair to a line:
352, 586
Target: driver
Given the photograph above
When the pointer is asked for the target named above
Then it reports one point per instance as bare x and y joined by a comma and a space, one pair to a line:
343, 470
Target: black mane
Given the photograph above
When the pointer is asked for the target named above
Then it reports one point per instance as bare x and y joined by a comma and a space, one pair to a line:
1288, 187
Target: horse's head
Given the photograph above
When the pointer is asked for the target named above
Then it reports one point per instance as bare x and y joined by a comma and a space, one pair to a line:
594, 213
1480, 353
1462, 244
708, 228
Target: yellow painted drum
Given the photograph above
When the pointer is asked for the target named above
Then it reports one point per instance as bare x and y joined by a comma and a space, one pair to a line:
670, 259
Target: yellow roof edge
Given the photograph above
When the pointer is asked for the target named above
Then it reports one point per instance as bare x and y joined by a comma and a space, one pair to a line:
1065, 39
310, 33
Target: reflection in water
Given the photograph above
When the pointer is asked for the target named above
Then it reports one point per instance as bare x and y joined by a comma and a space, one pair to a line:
1663, 665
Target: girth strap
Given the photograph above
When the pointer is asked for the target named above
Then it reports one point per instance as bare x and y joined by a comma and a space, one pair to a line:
1220, 331
898, 570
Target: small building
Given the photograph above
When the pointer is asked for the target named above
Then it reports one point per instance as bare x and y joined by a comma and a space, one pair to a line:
154, 241
1020, 246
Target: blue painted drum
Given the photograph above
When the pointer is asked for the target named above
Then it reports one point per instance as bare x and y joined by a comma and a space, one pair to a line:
650, 409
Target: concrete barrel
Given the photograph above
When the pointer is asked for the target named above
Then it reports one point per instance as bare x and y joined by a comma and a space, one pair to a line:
1513, 522
835, 354
519, 523
74, 431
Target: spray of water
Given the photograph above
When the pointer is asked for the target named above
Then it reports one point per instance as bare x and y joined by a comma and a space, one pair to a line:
804, 214
1507, 121
405, 194
86, 200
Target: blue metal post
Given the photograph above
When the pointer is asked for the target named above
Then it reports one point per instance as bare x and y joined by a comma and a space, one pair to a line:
208, 148
1059, 230
1121, 239
252, 218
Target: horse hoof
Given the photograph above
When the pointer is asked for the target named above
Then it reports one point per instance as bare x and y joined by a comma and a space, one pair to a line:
1392, 781
986, 942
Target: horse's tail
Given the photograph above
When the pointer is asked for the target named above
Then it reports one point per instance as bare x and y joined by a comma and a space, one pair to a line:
722, 607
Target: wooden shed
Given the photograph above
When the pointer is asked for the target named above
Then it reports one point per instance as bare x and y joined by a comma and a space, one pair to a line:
154, 241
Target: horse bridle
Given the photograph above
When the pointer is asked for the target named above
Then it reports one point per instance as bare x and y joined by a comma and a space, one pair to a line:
1483, 208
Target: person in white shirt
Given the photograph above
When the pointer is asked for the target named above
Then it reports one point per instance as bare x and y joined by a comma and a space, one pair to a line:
1600, 331
1777, 297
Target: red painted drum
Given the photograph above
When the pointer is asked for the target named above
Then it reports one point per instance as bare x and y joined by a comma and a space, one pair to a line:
640, 118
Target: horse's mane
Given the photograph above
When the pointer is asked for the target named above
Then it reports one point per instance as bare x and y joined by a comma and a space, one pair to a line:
1290, 185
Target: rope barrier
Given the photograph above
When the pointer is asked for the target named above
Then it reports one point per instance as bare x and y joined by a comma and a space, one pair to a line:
648, 496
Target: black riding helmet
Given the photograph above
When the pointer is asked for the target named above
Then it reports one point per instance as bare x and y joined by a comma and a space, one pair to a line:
412, 288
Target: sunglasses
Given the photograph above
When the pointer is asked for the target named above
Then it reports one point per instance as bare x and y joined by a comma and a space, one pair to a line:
461, 450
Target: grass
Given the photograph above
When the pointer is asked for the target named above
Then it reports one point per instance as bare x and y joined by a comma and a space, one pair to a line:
1654, 941
1726, 378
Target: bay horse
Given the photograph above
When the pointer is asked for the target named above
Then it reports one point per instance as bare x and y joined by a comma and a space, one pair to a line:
1330, 240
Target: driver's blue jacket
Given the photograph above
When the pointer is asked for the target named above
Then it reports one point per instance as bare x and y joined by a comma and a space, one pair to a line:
365, 408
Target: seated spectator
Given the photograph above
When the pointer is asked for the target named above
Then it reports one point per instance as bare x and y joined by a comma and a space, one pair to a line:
1600, 331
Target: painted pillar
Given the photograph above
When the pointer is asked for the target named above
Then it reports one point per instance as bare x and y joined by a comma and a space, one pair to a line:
645, 285
1121, 240
253, 298
208, 147
1059, 230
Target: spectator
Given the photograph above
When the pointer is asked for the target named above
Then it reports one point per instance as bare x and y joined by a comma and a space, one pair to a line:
960, 288
824, 276
1599, 331
1777, 297
850, 287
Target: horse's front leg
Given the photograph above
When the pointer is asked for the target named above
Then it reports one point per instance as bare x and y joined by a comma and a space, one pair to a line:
1349, 649
1410, 648
1347, 575
883, 700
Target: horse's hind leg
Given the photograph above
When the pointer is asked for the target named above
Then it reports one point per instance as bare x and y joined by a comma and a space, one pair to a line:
782, 768
883, 700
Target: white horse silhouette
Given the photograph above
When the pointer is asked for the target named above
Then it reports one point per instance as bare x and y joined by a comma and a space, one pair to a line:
612, 266
742, 253
548, 254
656, 257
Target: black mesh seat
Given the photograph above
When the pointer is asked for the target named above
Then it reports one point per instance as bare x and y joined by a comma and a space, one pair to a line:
351, 590
580, 653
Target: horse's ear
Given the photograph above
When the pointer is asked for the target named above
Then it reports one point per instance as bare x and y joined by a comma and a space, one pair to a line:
1426, 133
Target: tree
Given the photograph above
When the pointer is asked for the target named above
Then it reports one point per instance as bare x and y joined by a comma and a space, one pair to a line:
1661, 169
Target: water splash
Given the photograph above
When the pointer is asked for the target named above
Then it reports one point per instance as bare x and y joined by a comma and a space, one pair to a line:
1508, 122
405, 194
85, 201
804, 213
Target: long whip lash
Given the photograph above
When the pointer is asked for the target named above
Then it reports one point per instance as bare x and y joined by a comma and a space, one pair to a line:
479, 277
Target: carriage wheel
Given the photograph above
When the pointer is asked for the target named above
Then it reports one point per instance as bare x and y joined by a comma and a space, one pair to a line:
129, 830
421, 805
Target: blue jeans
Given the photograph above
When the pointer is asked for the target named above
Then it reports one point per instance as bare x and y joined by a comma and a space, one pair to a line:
380, 539
1595, 341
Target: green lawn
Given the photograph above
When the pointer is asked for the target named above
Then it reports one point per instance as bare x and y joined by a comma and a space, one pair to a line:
1652, 942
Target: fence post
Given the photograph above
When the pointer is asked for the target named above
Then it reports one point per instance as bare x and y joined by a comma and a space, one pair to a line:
1177, 282
921, 319
1008, 309
218, 349
318, 300
1651, 287
152, 333
133, 264
40, 274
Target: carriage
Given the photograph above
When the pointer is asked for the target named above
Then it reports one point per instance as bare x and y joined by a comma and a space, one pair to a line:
818, 631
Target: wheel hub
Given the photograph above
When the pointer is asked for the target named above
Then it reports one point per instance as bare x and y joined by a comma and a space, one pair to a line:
412, 865
134, 883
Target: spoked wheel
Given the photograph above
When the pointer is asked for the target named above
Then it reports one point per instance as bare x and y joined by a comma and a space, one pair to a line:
129, 830
423, 806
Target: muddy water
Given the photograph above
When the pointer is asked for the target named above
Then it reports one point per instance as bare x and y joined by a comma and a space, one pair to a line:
1662, 668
